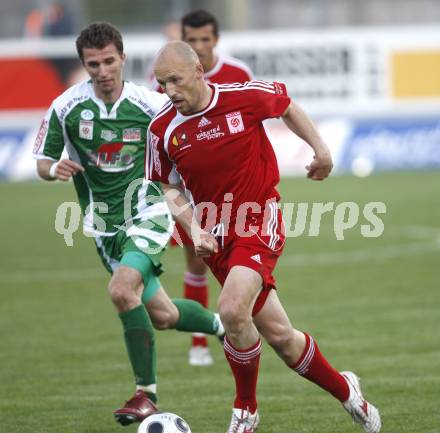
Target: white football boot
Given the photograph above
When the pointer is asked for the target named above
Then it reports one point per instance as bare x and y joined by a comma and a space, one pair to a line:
200, 356
243, 421
361, 411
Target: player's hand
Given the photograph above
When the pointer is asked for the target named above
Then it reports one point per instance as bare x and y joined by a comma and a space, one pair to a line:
66, 169
320, 167
205, 244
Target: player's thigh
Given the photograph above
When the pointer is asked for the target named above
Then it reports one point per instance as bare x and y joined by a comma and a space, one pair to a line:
163, 312
239, 291
124, 280
148, 266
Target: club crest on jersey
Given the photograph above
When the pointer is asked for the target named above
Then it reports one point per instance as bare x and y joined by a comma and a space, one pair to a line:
131, 134
87, 114
86, 129
108, 135
179, 139
235, 122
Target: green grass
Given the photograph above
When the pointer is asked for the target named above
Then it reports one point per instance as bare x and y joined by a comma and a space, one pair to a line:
372, 303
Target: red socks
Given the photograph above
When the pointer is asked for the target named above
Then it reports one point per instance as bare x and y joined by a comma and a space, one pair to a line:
196, 288
314, 367
244, 364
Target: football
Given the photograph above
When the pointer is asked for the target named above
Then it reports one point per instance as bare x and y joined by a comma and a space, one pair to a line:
164, 423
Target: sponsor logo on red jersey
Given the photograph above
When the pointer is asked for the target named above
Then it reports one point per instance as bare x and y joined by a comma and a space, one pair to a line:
210, 134
203, 122
179, 139
235, 122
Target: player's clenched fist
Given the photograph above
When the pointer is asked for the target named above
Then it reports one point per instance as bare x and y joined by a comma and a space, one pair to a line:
205, 244
320, 167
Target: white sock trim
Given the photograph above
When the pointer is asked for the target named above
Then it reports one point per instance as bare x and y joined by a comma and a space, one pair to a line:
152, 389
195, 280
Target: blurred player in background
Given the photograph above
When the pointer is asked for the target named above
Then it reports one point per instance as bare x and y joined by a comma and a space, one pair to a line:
103, 124
200, 29
229, 160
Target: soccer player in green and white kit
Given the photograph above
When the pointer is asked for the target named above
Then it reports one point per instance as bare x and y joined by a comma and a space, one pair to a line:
103, 125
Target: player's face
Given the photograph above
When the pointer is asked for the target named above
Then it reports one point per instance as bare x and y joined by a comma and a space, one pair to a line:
182, 83
203, 42
105, 69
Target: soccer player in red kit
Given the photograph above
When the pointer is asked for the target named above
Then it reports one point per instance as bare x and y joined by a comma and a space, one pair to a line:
200, 29
208, 147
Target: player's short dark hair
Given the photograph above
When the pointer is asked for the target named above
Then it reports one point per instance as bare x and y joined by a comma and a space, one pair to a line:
99, 35
199, 18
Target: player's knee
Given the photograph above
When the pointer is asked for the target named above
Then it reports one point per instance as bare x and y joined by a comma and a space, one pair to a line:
120, 295
234, 316
281, 339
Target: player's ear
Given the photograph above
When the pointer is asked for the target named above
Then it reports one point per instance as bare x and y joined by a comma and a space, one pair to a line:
199, 70
123, 57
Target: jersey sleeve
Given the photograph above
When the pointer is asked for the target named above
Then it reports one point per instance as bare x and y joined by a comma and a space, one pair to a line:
269, 99
158, 166
49, 143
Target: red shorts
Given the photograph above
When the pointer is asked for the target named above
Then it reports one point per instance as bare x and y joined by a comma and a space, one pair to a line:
260, 252
179, 232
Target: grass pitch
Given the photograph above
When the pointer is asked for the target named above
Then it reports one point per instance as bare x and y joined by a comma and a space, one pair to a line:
371, 303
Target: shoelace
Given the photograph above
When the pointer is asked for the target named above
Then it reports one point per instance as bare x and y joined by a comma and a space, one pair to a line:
237, 422
139, 396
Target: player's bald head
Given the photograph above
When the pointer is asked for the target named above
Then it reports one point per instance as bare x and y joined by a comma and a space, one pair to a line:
180, 75
177, 52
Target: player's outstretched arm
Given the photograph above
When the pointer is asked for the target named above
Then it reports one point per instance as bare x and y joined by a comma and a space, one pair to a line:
204, 243
299, 123
61, 170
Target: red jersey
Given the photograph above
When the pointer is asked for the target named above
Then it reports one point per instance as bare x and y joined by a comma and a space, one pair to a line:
223, 149
226, 70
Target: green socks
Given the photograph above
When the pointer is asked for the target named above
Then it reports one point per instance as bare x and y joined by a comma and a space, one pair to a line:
140, 340
140, 343
193, 317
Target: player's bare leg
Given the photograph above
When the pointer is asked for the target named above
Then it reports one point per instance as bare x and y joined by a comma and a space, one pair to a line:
301, 353
163, 312
196, 288
242, 344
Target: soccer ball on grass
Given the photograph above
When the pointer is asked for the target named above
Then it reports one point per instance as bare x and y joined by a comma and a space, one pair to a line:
164, 423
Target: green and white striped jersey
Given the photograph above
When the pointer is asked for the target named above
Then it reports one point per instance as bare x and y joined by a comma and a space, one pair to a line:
109, 142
